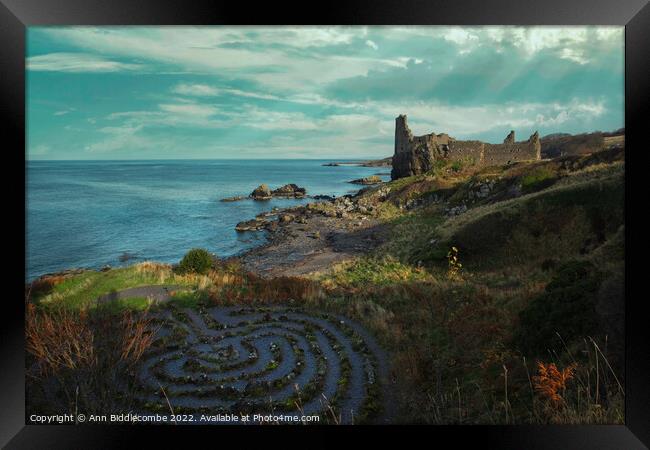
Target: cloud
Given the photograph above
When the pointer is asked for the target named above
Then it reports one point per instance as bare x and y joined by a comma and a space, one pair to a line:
276, 57
199, 90
573, 55
465, 121
311, 98
122, 139
170, 115
64, 112
76, 62
326, 91
40, 150
461, 36
190, 109
304, 37
203, 90
579, 44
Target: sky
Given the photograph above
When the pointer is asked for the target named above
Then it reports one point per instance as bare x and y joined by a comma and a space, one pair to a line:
96, 93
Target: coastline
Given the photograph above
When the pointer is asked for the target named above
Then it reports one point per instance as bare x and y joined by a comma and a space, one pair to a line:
314, 240
286, 249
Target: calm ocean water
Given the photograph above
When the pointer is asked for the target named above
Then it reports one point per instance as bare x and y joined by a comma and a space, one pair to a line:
88, 213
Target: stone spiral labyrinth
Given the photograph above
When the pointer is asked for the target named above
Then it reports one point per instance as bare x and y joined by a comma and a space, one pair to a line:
271, 360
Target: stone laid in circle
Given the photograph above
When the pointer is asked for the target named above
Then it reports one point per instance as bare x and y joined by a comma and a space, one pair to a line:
257, 360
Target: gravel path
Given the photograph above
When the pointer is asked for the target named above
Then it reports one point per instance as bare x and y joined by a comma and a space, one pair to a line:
158, 294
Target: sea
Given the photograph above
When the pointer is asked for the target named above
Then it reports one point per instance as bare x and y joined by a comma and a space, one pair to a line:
88, 214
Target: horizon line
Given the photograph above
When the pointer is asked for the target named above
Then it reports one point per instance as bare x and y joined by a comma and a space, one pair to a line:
214, 159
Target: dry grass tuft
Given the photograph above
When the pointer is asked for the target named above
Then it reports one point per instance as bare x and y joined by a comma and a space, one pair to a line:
83, 360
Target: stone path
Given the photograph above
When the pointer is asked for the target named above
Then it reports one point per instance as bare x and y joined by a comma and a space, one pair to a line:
158, 294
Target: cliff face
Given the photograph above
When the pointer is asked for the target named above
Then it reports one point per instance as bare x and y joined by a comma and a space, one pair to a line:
417, 154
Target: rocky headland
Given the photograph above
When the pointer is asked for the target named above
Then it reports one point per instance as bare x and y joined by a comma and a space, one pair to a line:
313, 237
384, 162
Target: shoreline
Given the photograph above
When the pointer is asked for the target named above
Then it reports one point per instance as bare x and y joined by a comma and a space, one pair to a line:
315, 239
312, 244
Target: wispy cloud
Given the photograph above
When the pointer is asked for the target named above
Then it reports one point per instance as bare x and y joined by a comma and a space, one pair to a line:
77, 62
315, 91
64, 112
203, 90
465, 121
270, 60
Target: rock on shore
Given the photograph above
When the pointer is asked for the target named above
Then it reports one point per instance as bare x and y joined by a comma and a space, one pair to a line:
233, 199
262, 192
289, 190
251, 225
373, 179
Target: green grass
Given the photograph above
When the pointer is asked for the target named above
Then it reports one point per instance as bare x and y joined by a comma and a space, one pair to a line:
539, 178
82, 290
377, 272
411, 235
572, 217
449, 340
189, 299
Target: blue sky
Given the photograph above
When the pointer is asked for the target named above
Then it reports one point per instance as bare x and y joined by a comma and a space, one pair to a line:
310, 92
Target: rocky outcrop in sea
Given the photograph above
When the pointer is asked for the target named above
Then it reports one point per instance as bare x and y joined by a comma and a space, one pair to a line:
264, 192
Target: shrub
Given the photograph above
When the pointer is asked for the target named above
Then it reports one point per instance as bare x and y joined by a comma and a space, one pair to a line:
551, 383
197, 260
566, 307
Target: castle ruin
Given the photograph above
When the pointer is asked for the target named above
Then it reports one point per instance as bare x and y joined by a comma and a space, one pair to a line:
417, 154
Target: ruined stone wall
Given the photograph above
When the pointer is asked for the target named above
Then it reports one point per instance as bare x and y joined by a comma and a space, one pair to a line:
496, 154
417, 154
506, 153
467, 151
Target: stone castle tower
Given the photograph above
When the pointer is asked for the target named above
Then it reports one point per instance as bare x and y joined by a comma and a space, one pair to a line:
417, 154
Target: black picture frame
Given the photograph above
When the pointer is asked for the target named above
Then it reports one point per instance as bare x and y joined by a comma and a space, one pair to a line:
16, 15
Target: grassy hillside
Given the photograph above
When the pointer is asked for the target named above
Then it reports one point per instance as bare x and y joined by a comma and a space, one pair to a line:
498, 294
542, 255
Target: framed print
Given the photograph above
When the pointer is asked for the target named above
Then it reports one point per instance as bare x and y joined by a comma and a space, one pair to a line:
375, 218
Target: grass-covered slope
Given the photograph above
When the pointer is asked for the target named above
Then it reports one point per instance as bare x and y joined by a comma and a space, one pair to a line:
498, 293
541, 248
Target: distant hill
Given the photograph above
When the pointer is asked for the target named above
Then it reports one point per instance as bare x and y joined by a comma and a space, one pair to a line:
563, 144
385, 162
